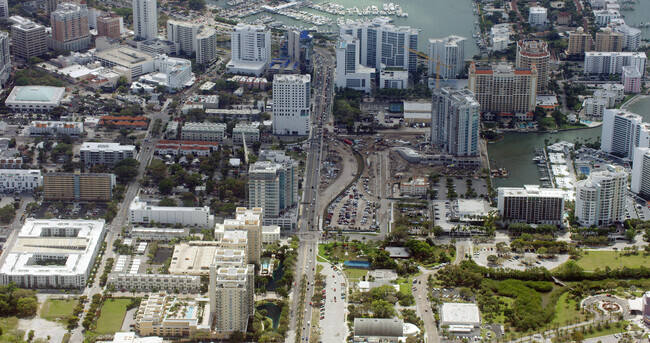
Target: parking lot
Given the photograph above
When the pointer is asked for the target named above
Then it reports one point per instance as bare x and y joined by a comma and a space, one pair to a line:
70, 210
332, 311
353, 211
515, 261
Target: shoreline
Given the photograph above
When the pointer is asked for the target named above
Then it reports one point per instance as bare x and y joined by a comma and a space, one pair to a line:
634, 100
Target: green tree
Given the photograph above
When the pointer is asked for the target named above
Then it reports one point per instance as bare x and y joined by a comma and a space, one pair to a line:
7, 214
26, 307
167, 201
382, 309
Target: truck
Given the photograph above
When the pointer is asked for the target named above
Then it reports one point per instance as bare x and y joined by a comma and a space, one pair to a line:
347, 141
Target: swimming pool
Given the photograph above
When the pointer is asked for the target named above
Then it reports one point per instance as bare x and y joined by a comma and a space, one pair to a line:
357, 264
584, 170
265, 263
190, 312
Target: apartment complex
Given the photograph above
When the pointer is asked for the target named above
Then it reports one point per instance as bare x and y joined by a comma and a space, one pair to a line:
503, 89
613, 62
78, 187
291, 104
151, 282
193, 38
600, 199
580, 42
109, 25
608, 40
164, 315
273, 187
145, 19
246, 131
143, 212
350, 73
535, 52
251, 49
622, 132
455, 121
70, 30
631, 78
206, 132
531, 204
92, 153
231, 297
449, 51
20, 180
641, 172
28, 39
249, 221
384, 45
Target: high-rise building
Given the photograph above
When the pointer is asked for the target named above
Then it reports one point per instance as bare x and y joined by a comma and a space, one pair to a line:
580, 42
503, 89
5, 58
206, 45
51, 6
248, 220
455, 121
450, 51
600, 199
349, 71
641, 172
631, 37
92, 153
383, 44
109, 25
535, 52
273, 186
28, 39
300, 48
78, 187
291, 104
4, 9
607, 40
631, 79
193, 38
537, 16
145, 19
623, 131
70, 30
250, 49
231, 293
613, 62
531, 205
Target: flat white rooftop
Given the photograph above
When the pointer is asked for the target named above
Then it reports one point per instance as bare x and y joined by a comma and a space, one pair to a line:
460, 314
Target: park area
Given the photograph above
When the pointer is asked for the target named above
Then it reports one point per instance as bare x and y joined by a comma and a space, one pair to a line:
591, 260
58, 309
112, 315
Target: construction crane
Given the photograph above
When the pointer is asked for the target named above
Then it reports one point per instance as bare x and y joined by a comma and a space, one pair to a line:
438, 64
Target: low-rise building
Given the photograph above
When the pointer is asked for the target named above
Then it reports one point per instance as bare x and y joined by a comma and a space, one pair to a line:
124, 122
210, 132
154, 282
270, 234
34, 99
173, 148
594, 108
398, 79
20, 180
415, 187
246, 131
167, 316
92, 153
150, 234
143, 212
461, 319
378, 330
54, 128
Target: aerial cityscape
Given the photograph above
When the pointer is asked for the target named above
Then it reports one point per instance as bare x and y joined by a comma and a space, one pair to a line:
324, 171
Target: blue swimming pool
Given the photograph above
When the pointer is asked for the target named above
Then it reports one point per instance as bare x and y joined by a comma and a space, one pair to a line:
190, 312
357, 264
584, 170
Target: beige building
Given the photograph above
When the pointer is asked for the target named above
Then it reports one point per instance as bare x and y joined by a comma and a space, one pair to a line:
166, 316
28, 39
535, 52
609, 41
415, 187
231, 297
579, 42
78, 187
249, 220
193, 258
502, 89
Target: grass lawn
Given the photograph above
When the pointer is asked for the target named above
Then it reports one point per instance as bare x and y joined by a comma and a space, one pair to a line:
612, 330
340, 252
566, 310
405, 288
355, 273
54, 309
319, 268
10, 332
112, 315
601, 259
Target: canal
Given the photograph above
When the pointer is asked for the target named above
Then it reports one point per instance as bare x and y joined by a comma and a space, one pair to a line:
515, 151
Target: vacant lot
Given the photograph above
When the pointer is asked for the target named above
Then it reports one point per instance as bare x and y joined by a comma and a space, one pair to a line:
112, 315
601, 259
355, 274
565, 311
58, 309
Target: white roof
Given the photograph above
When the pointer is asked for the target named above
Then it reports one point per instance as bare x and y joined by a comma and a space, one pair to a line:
457, 313
417, 107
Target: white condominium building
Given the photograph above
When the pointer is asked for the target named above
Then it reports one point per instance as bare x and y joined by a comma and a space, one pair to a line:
455, 121
613, 62
450, 51
531, 204
193, 38
600, 199
92, 153
151, 282
350, 73
641, 172
537, 16
231, 294
53, 253
273, 186
167, 316
209, 132
145, 19
142, 212
43, 128
251, 49
631, 37
291, 104
623, 131
20, 180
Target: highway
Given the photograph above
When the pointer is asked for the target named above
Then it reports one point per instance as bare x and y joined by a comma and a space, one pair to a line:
308, 224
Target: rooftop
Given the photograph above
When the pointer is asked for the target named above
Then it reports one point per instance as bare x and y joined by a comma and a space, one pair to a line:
460, 313
36, 94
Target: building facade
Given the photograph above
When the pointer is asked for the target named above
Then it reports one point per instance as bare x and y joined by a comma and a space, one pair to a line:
154, 282
537, 16
622, 132
455, 121
5, 58
145, 19
92, 153
245, 131
70, 30
78, 187
535, 52
531, 205
613, 62
28, 40
300, 48
251, 49
631, 78
641, 172
291, 104
20, 180
109, 25
580, 42
249, 221
608, 40
273, 186
450, 51
600, 199
504, 89
209, 132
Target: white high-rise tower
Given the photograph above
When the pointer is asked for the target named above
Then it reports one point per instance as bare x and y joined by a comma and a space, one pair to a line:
145, 19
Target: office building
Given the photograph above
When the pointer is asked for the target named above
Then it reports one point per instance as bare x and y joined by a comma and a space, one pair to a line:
109, 154
608, 40
250, 132
600, 199
109, 25
250, 49
535, 52
300, 48
623, 131
450, 51
53, 253
416, 187
145, 19
155, 47
78, 187
455, 121
503, 89
20, 180
537, 16
4, 9
531, 205
164, 315
384, 45
385, 330
580, 42
209, 132
641, 172
5, 58
249, 221
28, 39
631, 37
291, 104
631, 78
70, 29
273, 186
172, 73
460, 318
350, 73
34, 99
143, 212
